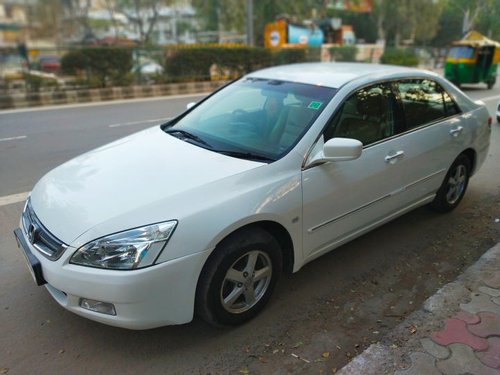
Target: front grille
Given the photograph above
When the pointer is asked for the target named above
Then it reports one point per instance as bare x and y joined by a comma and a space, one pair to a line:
41, 239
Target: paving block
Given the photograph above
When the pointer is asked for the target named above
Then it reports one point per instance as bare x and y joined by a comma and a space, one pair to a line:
467, 317
438, 351
491, 357
489, 325
455, 331
489, 291
422, 363
494, 280
480, 302
463, 361
496, 300
373, 361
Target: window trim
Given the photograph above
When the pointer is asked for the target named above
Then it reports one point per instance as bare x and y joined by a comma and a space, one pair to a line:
441, 119
391, 82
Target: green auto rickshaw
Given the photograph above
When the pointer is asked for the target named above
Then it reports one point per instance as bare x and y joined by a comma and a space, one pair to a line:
473, 59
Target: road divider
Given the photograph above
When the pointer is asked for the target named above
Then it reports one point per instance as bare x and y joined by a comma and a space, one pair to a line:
38, 99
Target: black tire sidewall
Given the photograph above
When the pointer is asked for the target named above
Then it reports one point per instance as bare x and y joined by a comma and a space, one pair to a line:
440, 202
208, 304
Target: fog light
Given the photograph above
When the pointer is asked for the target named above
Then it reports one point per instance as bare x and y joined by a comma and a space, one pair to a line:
97, 306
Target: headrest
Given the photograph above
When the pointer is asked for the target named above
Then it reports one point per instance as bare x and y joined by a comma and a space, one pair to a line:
371, 103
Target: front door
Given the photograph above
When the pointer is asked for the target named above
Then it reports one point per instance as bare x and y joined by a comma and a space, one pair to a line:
341, 199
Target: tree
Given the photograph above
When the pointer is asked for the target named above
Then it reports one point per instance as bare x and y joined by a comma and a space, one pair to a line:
79, 12
143, 14
471, 11
407, 20
459, 16
47, 18
488, 22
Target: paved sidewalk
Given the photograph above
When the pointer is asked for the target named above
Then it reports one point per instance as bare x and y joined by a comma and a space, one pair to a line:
456, 332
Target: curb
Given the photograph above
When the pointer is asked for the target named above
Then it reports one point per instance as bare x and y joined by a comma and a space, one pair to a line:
26, 100
393, 352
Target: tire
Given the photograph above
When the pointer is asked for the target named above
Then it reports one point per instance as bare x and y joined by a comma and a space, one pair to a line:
454, 185
238, 278
491, 83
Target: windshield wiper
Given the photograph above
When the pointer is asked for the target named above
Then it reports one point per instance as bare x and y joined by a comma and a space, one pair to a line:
188, 135
245, 155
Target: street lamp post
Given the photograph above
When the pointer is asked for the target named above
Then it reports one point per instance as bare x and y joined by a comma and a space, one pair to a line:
250, 22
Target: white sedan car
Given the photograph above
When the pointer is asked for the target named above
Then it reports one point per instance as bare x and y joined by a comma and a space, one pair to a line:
202, 214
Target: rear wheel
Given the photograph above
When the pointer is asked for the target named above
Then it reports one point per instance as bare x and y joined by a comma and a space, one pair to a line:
238, 279
454, 185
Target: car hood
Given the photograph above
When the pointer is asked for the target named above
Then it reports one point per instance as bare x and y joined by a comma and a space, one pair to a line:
123, 176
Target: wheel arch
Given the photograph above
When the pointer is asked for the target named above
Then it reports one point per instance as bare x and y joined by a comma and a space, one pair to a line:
277, 230
471, 155
274, 229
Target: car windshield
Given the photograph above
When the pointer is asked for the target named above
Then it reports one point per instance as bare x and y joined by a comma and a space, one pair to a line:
463, 52
255, 119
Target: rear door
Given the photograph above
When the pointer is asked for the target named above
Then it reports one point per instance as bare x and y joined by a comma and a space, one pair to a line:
435, 134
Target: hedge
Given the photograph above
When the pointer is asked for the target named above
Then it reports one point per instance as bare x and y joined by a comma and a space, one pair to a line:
397, 56
343, 53
103, 65
202, 63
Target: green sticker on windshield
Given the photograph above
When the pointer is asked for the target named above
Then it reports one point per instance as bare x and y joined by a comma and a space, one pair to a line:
314, 105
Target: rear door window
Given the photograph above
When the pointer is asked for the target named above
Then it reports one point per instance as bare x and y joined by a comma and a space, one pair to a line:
424, 101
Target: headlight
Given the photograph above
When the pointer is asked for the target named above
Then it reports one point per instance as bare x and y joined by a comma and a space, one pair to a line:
135, 248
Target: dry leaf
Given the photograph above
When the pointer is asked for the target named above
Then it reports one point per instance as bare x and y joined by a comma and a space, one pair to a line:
300, 343
325, 354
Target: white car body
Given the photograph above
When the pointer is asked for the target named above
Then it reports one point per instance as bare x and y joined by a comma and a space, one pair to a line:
498, 111
151, 177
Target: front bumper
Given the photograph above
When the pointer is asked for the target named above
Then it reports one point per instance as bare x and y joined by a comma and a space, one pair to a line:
151, 297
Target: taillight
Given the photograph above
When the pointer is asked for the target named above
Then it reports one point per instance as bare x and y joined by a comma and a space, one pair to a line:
490, 121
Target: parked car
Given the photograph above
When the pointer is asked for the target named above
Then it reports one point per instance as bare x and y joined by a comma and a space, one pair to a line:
49, 63
150, 68
200, 215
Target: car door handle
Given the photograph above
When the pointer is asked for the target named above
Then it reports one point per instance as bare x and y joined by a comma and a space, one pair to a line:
456, 131
393, 157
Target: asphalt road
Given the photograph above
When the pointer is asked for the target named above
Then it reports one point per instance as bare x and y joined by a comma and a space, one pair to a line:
317, 319
35, 141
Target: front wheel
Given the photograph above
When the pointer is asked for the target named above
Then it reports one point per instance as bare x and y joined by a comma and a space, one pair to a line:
238, 279
454, 185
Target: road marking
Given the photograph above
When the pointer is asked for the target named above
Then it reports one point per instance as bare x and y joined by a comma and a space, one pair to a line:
488, 98
138, 122
12, 138
14, 198
100, 104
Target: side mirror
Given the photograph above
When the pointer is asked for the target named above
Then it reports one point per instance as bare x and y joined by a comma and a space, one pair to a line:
190, 105
337, 149
341, 149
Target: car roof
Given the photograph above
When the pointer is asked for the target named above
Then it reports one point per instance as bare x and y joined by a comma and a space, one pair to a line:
331, 74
